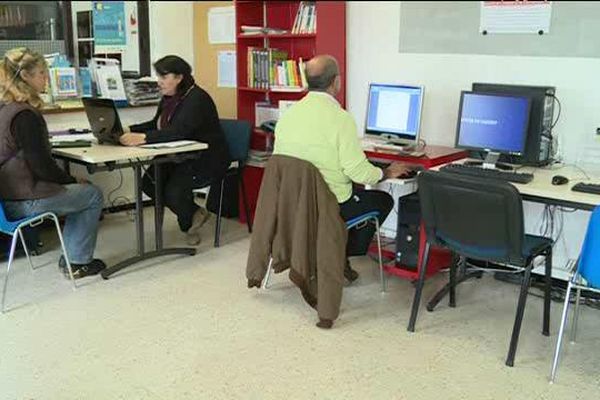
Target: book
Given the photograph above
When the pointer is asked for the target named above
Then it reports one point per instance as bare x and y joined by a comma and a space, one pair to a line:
63, 82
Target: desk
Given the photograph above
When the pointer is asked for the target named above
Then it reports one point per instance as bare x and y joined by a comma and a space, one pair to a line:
109, 157
434, 156
541, 189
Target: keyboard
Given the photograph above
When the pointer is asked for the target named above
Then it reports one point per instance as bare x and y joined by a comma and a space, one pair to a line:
380, 164
586, 188
469, 170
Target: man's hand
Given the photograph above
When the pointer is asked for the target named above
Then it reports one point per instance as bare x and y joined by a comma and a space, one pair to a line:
396, 169
82, 181
132, 139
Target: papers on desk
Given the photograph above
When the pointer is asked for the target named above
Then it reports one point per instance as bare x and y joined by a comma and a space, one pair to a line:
87, 137
169, 145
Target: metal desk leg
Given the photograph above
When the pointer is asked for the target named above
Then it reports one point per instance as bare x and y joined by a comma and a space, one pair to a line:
139, 209
158, 207
139, 219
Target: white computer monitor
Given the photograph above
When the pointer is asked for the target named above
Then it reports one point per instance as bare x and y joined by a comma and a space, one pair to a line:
394, 112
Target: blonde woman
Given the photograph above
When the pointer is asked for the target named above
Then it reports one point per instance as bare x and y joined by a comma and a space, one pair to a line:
31, 181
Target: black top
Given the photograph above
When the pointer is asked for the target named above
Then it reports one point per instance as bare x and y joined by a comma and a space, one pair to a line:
194, 118
31, 134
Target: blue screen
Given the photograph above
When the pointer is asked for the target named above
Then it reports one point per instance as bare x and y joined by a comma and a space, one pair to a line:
493, 122
394, 109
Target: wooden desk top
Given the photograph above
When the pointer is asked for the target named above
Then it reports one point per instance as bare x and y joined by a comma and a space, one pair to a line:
103, 153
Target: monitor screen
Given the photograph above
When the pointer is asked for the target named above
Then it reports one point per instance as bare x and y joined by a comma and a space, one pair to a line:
394, 111
493, 122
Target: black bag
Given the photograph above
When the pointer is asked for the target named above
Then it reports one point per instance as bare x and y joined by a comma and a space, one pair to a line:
230, 207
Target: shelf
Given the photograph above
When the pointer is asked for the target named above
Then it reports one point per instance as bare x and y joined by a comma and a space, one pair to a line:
279, 36
252, 90
256, 90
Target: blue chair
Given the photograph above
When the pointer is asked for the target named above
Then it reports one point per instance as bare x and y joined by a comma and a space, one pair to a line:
361, 220
237, 134
586, 277
15, 229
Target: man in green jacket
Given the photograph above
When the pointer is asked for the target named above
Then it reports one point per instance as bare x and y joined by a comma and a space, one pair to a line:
317, 129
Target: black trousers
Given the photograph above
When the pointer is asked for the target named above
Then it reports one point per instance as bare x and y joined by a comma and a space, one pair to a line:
362, 202
178, 181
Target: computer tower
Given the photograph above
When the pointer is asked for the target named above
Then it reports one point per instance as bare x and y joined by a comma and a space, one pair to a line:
408, 231
538, 145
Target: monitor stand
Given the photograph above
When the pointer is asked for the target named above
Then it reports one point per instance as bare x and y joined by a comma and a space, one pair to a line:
491, 162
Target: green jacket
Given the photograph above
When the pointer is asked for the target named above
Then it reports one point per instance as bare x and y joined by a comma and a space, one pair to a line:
318, 130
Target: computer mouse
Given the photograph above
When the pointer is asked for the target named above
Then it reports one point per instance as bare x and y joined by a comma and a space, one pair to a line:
559, 180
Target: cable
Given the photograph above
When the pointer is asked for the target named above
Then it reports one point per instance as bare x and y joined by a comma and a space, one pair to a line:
119, 186
557, 115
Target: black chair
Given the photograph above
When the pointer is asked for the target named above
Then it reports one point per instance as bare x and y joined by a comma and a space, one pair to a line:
237, 135
482, 220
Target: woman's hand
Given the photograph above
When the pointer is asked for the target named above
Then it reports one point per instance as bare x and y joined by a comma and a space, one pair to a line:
132, 139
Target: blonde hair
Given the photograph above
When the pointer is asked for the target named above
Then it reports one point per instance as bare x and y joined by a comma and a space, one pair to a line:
12, 86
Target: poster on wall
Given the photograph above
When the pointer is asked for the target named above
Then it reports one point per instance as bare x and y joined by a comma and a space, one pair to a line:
109, 25
515, 17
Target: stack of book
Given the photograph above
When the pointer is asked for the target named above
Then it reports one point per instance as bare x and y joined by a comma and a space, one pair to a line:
249, 30
271, 69
142, 91
306, 18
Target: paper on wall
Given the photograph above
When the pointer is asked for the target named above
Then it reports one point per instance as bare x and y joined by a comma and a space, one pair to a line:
515, 17
227, 70
221, 25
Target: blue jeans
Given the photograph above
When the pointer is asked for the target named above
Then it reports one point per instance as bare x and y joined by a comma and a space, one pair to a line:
81, 204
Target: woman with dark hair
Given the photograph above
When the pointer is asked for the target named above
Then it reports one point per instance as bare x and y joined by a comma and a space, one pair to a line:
184, 112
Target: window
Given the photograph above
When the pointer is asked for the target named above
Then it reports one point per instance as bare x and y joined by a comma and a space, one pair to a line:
68, 28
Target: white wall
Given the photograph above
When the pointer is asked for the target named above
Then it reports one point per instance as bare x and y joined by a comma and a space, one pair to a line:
373, 56
172, 29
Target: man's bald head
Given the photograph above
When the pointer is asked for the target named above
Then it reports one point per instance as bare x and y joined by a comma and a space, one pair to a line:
321, 72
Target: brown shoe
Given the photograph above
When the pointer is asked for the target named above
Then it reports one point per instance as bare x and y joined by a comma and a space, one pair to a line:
198, 220
193, 239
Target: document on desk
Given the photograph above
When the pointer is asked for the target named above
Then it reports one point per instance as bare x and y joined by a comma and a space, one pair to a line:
72, 138
169, 145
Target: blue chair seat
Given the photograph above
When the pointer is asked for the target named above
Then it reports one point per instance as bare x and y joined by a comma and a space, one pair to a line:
9, 227
534, 245
361, 218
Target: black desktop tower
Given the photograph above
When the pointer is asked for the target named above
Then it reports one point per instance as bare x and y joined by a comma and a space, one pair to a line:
538, 145
408, 231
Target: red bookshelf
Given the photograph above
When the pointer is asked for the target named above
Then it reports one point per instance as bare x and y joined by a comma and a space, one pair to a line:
329, 38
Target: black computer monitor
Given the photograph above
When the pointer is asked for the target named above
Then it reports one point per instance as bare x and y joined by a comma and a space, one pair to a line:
492, 122
394, 112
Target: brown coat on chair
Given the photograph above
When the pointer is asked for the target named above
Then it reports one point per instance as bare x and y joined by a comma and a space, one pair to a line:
298, 223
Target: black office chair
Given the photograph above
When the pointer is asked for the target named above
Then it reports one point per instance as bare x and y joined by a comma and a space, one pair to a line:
237, 135
481, 220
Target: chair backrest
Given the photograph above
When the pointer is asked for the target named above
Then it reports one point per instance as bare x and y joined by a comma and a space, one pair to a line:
589, 260
237, 134
474, 217
5, 225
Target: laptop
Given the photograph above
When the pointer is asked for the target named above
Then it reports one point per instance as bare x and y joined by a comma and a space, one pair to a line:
104, 119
